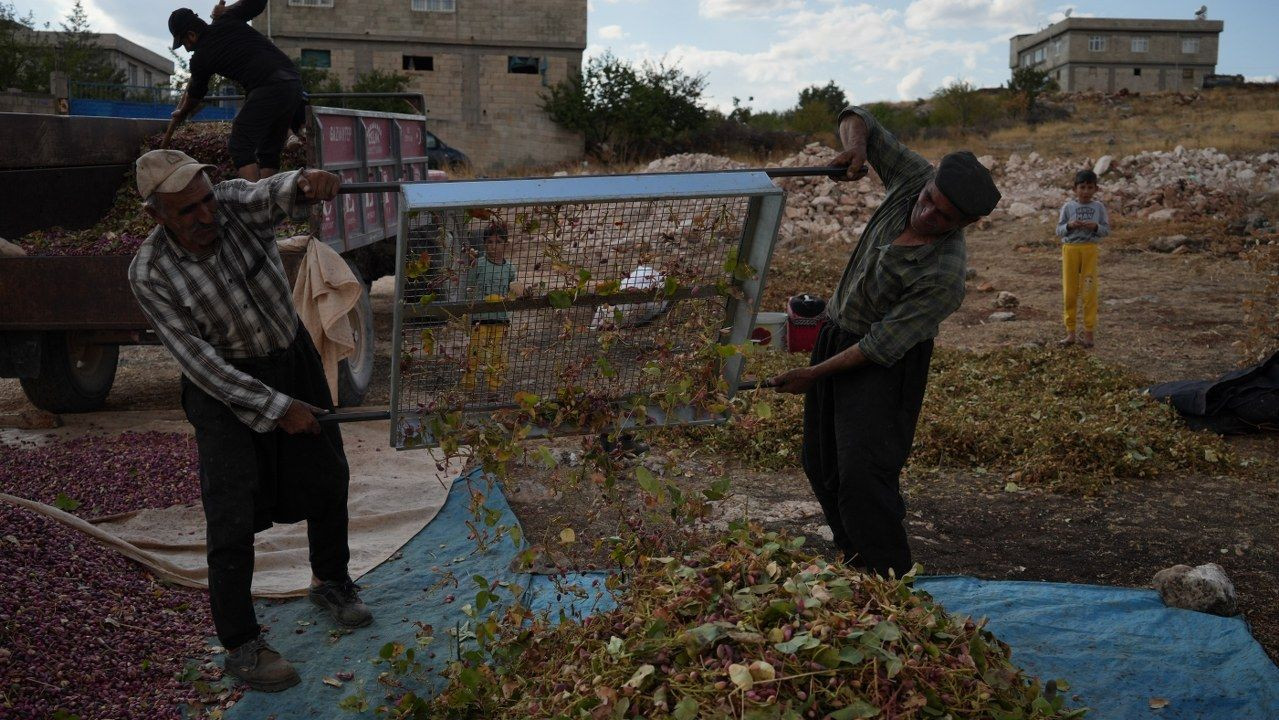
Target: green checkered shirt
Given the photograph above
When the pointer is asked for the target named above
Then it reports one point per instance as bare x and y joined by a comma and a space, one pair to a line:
895, 296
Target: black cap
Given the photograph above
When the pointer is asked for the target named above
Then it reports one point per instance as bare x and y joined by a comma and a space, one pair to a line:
967, 184
182, 20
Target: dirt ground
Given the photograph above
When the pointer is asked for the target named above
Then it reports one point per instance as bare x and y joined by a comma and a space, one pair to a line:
1164, 316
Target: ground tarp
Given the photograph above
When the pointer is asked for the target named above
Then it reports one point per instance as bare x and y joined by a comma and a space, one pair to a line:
1119, 648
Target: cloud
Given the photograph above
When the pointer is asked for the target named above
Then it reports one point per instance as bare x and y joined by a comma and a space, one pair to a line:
908, 87
940, 14
745, 8
612, 32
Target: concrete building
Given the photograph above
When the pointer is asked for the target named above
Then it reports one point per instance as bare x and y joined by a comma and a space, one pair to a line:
482, 64
140, 65
1083, 53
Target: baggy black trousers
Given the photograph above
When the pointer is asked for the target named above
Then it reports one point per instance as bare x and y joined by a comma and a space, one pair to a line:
249, 480
858, 430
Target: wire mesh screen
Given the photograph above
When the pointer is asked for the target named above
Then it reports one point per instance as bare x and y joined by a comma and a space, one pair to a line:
510, 289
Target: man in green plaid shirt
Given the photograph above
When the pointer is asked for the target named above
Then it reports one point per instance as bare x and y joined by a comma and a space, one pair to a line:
865, 385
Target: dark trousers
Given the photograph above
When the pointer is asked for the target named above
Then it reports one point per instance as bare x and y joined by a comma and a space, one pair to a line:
260, 128
858, 429
249, 480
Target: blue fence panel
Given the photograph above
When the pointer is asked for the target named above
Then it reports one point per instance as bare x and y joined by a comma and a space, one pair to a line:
158, 111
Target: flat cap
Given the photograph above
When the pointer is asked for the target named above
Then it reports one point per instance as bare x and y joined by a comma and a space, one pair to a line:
967, 184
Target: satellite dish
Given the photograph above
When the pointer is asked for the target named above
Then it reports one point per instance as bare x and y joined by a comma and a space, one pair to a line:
1201, 13
1069, 11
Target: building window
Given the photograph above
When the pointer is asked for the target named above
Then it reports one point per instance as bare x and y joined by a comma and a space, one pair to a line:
1097, 43
1059, 46
133, 74
1187, 73
517, 65
1039, 55
1140, 44
435, 5
1136, 72
150, 80
1025, 59
1189, 46
419, 62
316, 59
311, 3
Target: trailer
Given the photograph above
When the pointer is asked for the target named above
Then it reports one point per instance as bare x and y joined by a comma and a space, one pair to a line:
64, 318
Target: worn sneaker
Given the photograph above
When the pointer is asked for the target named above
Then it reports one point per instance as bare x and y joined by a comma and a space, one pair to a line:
261, 667
342, 601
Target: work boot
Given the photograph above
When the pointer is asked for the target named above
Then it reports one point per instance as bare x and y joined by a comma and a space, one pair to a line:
262, 668
340, 599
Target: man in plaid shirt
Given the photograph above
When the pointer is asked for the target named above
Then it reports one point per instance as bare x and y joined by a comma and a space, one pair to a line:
865, 385
210, 280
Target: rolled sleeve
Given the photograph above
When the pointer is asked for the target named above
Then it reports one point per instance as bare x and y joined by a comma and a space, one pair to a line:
253, 402
264, 204
893, 161
914, 319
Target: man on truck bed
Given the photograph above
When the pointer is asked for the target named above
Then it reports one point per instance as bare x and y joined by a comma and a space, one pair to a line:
229, 47
210, 280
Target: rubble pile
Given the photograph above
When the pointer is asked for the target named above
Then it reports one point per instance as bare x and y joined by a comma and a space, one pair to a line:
1158, 185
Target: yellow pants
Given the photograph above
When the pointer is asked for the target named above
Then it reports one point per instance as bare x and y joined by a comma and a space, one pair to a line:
1079, 271
486, 353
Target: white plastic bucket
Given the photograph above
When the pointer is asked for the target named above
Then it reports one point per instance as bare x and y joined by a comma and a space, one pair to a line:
770, 330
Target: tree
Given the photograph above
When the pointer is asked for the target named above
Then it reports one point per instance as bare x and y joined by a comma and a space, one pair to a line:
375, 81
829, 95
1028, 83
623, 111
22, 61
76, 51
962, 104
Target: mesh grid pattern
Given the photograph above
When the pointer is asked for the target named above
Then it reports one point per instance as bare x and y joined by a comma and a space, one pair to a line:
604, 296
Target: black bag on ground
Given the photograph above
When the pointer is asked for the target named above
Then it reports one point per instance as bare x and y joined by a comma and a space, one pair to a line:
1239, 402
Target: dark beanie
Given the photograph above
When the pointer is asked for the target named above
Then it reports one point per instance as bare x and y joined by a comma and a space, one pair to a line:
967, 184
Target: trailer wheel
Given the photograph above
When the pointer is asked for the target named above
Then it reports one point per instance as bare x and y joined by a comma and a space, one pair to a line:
74, 377
355, 373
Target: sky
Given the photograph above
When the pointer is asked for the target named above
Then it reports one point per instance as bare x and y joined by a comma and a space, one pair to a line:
765, 51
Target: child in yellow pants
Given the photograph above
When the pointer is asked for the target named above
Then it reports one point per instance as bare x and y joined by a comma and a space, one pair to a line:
489, 279
1083, 221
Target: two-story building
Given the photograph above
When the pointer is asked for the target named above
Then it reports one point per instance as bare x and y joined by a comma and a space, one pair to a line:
140, 66
1108, 54
482, 64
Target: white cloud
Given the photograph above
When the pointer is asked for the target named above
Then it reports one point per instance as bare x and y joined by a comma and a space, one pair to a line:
745, 8
941, 14
612, 32
909, 86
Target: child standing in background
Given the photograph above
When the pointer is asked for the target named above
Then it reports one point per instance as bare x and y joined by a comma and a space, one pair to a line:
1083, 221
489, 279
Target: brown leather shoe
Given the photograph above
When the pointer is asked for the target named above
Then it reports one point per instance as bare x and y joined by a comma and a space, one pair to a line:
261, 667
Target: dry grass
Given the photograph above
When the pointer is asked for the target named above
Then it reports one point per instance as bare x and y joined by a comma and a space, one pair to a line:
1234, 121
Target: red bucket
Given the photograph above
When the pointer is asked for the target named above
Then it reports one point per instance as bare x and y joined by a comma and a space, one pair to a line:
805, 315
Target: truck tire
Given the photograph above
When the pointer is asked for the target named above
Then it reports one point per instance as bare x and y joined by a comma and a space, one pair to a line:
74, 378
355, 374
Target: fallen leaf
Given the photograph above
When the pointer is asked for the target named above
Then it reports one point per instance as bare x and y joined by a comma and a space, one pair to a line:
741, 676
332, 682
1158, 703
567, 536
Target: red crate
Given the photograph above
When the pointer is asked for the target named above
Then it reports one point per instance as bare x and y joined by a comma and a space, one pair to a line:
802, 329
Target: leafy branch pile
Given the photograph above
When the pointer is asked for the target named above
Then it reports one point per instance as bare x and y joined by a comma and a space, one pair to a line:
1055, 418
744, 629
126, 224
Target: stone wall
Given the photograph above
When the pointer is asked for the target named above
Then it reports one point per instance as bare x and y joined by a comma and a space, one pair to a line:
21, 102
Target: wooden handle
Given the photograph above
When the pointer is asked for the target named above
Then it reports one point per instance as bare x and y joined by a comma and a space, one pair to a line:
168, 133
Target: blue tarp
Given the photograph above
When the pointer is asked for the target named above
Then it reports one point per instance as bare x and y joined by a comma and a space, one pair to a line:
1119, 648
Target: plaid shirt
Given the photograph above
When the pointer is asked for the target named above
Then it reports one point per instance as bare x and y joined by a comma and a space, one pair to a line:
235, 303
892, 295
